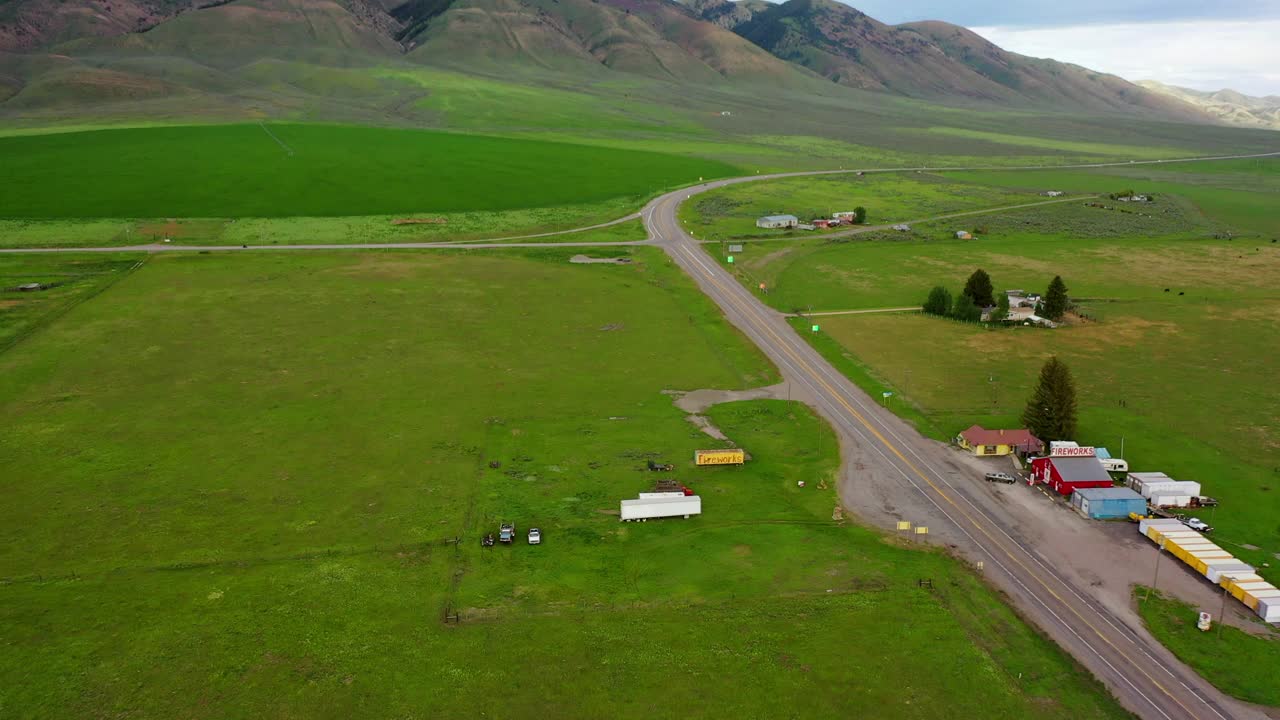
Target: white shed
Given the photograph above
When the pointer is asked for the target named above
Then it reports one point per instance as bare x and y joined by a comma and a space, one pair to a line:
774, 222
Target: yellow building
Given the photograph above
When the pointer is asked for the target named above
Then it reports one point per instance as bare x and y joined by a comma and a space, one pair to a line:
983, 442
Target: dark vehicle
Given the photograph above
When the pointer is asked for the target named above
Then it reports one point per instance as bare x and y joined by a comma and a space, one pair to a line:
661, 467
506, 533
999, 477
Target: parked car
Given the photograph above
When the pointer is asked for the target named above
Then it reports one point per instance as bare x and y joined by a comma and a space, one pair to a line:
507, 533
1000, 477
1197, 524
535, 536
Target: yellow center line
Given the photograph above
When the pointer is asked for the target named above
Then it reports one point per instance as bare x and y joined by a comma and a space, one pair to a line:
750, 312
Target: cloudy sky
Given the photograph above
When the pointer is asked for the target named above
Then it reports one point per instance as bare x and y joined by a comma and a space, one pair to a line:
1202, 44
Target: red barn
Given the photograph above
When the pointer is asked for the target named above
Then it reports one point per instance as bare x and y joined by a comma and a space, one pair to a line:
1068, 474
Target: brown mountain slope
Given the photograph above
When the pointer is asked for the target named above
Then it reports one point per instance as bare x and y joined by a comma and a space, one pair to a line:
937, 61
1228, 105
656, 38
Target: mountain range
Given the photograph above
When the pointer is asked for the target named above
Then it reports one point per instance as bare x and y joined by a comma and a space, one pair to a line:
1227, 105
54, 53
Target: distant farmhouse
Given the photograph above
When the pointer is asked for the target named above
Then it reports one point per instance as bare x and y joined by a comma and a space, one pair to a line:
774, 222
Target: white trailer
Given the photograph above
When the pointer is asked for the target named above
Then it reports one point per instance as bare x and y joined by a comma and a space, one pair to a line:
1170, 498
644, 508
1115, 465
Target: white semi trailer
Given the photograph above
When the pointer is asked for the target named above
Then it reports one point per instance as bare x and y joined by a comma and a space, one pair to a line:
665, 505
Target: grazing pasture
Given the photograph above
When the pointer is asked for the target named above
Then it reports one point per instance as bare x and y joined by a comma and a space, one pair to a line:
268, 457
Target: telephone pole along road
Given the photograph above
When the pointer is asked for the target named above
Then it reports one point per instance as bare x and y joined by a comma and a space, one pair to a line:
1124, 658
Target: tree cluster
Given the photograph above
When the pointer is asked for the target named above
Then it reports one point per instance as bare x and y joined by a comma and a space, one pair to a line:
979, 293
967, 306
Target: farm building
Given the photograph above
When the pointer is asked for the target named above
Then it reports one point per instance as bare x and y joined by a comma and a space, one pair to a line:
1052, 193
774, 222
1162, 490
984, 443
963, 235
846, 215
1107, 503
1066, 474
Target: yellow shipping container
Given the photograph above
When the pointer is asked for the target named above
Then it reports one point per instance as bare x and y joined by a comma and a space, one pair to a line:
1248, 599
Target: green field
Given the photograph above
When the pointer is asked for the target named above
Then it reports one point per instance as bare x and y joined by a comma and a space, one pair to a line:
1181, 322
1239, 663
282, 170
1239, 194
265, 457
355, 230
731, 212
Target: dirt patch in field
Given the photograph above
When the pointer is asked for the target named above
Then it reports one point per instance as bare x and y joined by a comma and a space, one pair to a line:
9, 303
765, 260
385, 267
588, 260
1087, 338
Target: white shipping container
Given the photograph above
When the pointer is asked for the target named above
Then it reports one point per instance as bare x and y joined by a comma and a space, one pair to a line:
646, 508
1139, 480
1183, 487
1169, 498
646, 496
1157, 523
1260, 586
1269, 609
1219, 562
1218, 573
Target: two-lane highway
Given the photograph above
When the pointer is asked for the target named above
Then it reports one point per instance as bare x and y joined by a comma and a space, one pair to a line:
1124, 659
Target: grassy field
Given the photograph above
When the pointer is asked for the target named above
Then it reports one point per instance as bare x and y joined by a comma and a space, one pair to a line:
1238, 663
340, 420
65, 280
731, 212
1182, 322
456, 227
1239, 194
282, 170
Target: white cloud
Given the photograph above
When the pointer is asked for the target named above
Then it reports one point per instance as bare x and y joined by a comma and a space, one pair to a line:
1205, 55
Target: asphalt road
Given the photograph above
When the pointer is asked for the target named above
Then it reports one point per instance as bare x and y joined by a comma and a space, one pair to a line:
1140, 672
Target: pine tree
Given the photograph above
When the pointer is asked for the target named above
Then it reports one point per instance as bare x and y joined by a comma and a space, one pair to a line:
965, 310
1055, 299
979, 288
1051, 411
939, 302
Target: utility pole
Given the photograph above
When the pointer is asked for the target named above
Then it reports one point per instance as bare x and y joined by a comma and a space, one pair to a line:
1222, 611
1156, 577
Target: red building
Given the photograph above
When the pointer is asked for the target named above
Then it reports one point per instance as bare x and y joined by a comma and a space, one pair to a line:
1068, 474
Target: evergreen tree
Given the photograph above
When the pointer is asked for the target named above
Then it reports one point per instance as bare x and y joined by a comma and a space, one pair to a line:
965, 310
979, 288
938, 302
1051, 411
1055, 299
859, 215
